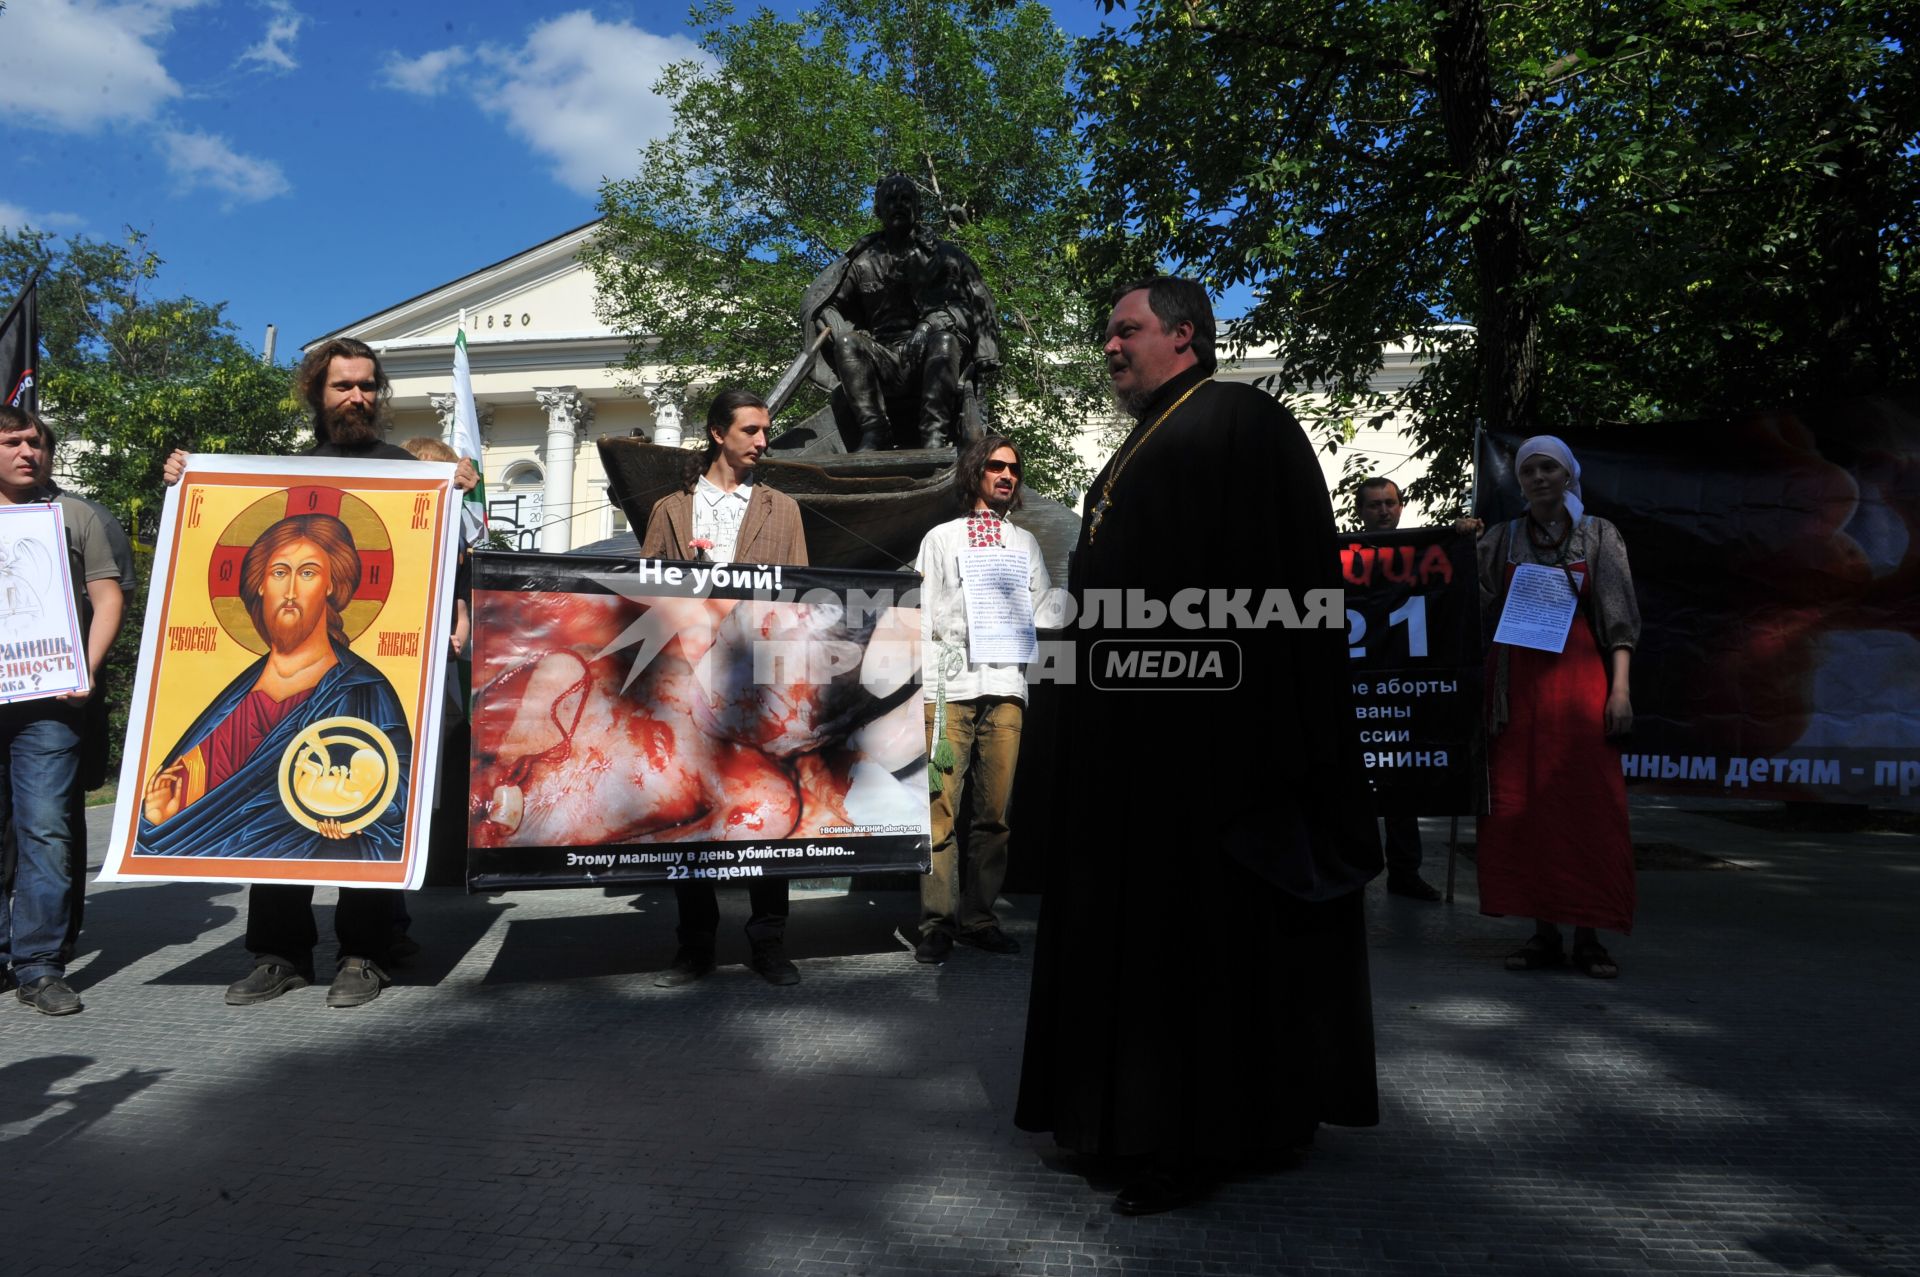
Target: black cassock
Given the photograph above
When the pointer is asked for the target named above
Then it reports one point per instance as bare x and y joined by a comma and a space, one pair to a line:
1200, 984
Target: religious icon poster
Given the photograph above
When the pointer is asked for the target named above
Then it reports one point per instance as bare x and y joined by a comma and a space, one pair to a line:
285, 724
42, 652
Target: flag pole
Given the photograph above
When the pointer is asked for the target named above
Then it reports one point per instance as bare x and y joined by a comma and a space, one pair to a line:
21, 300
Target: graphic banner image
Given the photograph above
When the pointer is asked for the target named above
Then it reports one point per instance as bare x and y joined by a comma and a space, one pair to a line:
42, 652
1413, 643
1777, 564
636, 720
285, 721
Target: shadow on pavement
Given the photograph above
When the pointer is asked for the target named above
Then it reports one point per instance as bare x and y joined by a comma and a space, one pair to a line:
27, 1093
167, 914
1739, 1102
618, 944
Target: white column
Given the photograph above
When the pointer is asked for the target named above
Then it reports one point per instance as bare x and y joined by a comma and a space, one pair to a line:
666, 415
442, 406
567, 412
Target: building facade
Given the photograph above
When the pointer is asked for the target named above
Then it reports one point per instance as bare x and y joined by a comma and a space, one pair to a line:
549, 381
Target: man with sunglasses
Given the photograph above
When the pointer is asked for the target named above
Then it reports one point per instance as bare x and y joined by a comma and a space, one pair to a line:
976, 697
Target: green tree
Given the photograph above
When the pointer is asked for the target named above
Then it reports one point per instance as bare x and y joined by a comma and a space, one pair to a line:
1584, 213
769, 175
126, 378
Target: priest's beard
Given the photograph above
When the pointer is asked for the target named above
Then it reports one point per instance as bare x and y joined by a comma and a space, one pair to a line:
1132, 402
350, 425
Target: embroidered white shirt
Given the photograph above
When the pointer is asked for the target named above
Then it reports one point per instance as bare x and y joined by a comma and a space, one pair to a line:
943, 605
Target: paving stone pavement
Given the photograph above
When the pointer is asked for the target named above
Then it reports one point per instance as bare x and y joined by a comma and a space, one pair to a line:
1741, 1101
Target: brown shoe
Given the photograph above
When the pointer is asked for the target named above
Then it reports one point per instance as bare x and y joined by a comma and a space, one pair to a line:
991, 939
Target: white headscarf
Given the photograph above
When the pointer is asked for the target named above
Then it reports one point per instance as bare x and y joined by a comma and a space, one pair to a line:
1550, 445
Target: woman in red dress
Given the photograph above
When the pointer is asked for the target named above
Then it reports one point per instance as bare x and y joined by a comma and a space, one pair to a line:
1554, 844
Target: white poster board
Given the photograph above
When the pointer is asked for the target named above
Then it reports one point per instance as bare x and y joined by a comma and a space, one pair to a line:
42, 651
1540, 606
997, 584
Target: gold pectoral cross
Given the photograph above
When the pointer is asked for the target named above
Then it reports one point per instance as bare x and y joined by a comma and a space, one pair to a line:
1099, 513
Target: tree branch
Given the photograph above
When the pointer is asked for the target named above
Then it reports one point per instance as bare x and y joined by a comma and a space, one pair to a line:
1574, 66
1268, 40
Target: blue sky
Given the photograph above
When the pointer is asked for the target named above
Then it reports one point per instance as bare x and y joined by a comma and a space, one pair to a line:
309, 164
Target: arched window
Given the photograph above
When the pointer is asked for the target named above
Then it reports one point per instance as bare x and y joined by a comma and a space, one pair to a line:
516, 506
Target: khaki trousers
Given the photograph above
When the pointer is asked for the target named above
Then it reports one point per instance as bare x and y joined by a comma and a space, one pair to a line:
985, 736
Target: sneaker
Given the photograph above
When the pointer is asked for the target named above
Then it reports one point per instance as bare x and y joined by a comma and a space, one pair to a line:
991, 939
49, 995
935, 946
770, 960
358, 981
267, 981
1412, 886
689, 964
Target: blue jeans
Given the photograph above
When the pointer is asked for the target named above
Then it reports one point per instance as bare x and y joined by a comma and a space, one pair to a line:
39, 766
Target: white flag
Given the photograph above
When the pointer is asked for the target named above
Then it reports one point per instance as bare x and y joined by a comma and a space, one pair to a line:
466, 441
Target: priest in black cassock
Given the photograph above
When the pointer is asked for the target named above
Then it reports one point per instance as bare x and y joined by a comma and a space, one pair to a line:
1200, 996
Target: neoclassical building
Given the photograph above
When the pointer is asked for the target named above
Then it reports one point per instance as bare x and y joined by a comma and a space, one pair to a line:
549, 380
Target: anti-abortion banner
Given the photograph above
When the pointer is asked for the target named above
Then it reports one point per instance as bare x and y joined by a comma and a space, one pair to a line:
42, 652
1777, 563
286, 714
636, 720
1413, 647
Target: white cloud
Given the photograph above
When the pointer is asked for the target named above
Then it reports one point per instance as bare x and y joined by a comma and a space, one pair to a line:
426, 75
199, 159
79, 64
276, 46
579, 91
14, 218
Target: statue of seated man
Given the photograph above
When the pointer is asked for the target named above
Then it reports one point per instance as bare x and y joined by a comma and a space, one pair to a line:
911, 319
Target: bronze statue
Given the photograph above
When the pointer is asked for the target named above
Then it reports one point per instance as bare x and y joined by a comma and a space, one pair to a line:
911, 332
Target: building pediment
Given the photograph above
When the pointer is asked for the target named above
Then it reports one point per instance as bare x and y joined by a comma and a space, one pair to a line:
530, 322
541, 294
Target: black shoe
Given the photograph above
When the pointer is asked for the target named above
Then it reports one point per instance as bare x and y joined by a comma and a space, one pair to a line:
935, 946
1157, 1191
356, 983
770, 960
402, 949
267, 981
689, 964
1412, 886
991, 939
49, 995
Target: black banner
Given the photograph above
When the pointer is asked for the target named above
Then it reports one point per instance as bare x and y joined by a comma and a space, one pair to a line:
1413, 643
1777, 564
636, 720
20, 351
